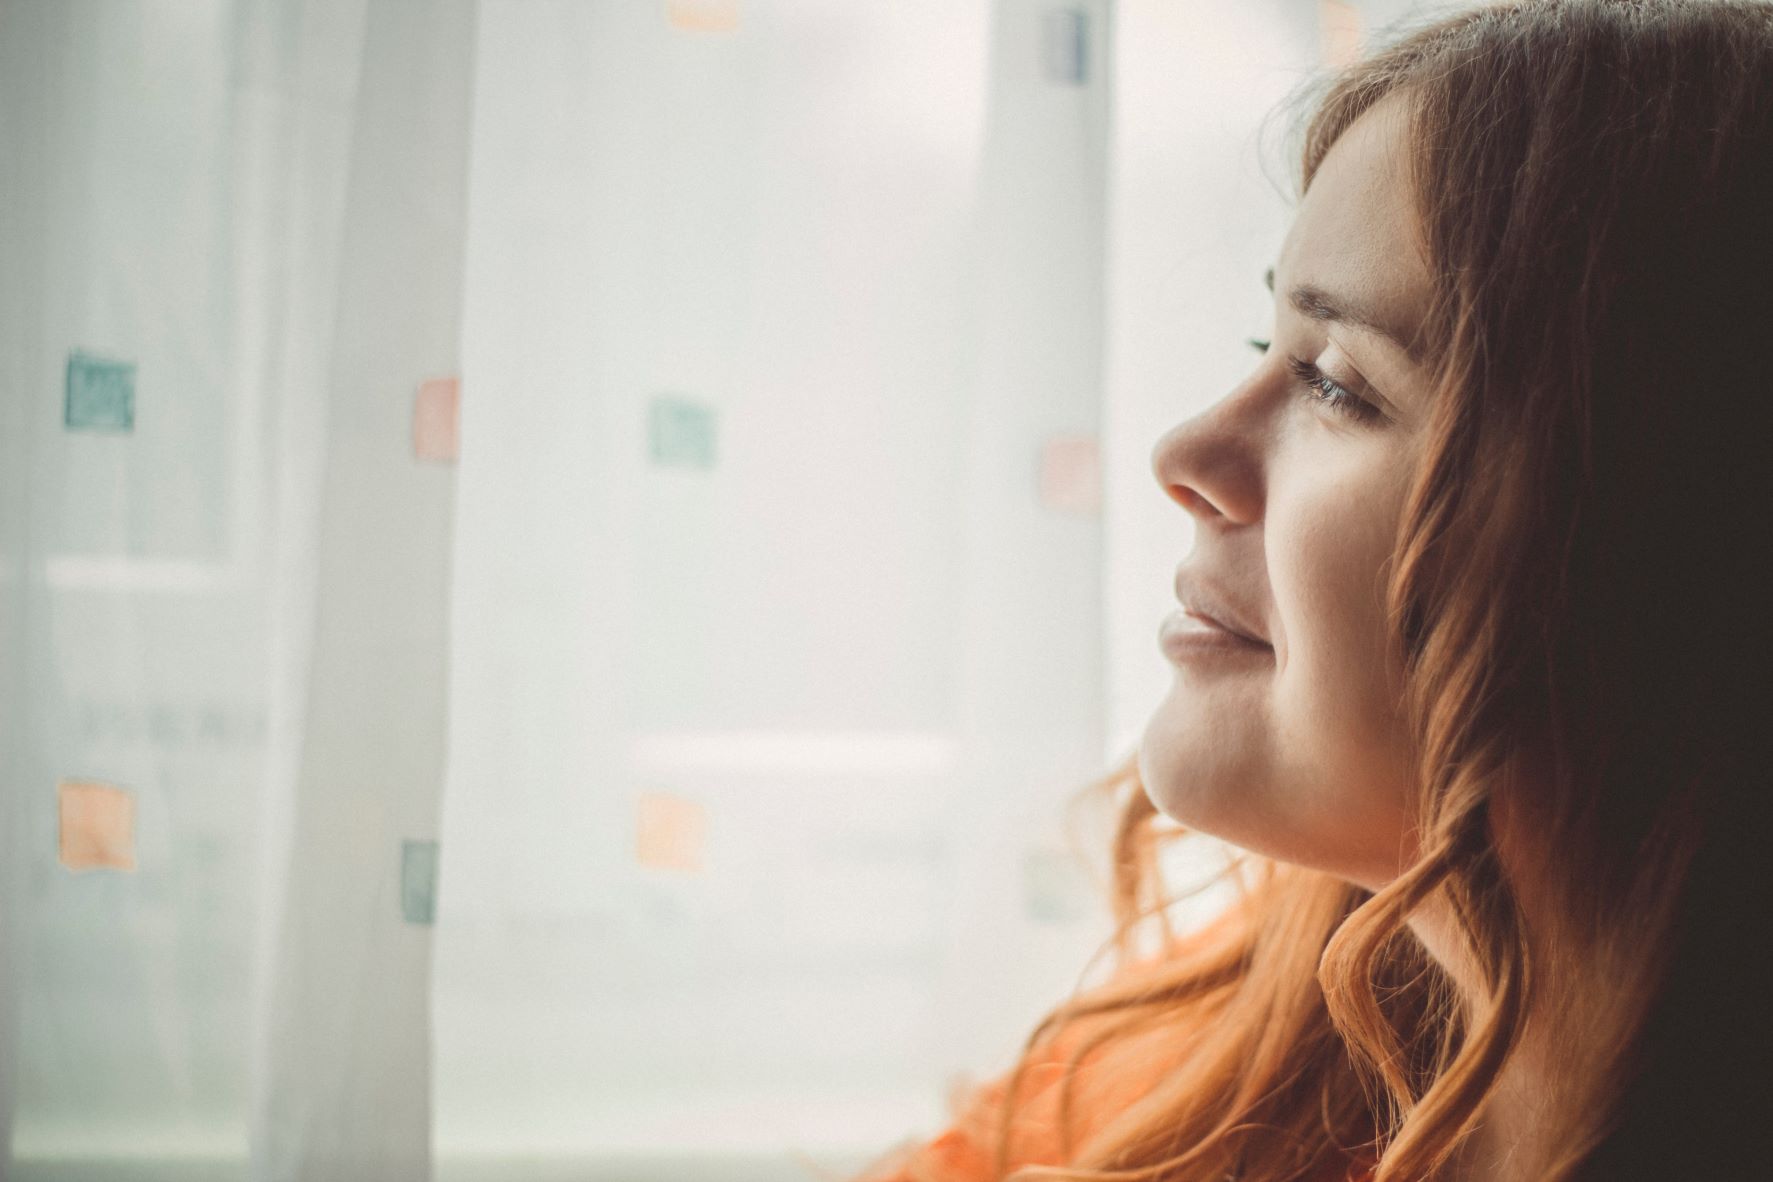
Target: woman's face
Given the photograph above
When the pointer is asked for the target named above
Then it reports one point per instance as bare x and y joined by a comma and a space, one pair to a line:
1297, 750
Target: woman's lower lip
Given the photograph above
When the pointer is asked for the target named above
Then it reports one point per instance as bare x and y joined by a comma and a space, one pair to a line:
1184, 638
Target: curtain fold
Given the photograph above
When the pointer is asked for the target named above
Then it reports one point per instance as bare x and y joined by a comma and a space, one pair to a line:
344, 1089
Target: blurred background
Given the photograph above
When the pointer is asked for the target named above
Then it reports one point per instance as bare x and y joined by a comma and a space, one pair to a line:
561, 560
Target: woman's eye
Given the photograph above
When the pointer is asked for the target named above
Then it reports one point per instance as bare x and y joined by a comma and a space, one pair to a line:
1322, 389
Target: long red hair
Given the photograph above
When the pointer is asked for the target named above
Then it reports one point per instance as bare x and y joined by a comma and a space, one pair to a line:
1578, 592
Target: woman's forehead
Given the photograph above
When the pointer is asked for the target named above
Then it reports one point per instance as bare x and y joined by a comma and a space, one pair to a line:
1355, 233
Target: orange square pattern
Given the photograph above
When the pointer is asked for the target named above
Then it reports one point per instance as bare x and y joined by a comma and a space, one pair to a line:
97, 826
1071, 474
671, 833
436, 418
703, 16
1055, 888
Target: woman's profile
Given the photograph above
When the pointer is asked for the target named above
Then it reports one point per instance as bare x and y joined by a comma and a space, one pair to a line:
1475, 658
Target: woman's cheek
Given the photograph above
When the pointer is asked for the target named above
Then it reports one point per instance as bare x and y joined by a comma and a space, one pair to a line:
1328, 545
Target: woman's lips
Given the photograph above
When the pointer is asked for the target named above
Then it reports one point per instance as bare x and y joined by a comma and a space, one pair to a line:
1188, 634
1206, 600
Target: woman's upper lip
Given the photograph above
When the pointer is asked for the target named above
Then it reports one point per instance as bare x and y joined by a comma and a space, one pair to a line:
1203, 600
1204, 618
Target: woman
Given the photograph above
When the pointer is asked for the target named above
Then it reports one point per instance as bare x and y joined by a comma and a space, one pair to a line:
1489, 514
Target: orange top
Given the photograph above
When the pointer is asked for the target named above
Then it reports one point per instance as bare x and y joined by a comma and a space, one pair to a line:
965, 1152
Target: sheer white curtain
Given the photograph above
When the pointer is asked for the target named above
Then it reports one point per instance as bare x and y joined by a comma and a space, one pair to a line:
231, 254
671, 785
774, 654
343, 1089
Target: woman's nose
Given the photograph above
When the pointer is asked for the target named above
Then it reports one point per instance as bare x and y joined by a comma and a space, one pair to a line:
1212, 464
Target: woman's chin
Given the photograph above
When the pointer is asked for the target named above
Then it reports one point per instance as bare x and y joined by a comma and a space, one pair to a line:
1189, 800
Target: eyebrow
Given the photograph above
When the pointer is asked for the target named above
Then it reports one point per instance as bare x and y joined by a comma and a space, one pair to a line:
1321, 305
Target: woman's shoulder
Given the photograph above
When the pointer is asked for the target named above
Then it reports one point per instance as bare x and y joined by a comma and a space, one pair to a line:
1074, 1060
1075, 1080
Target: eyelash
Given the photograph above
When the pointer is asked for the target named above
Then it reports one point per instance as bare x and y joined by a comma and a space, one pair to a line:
1328, 392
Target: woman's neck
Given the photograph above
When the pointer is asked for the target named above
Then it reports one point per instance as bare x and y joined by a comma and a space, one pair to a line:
1510, 1142
1558, 1050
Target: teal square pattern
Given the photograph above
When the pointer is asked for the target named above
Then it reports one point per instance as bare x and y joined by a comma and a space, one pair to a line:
682, 432
1054, 887
100, 394
418, 881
